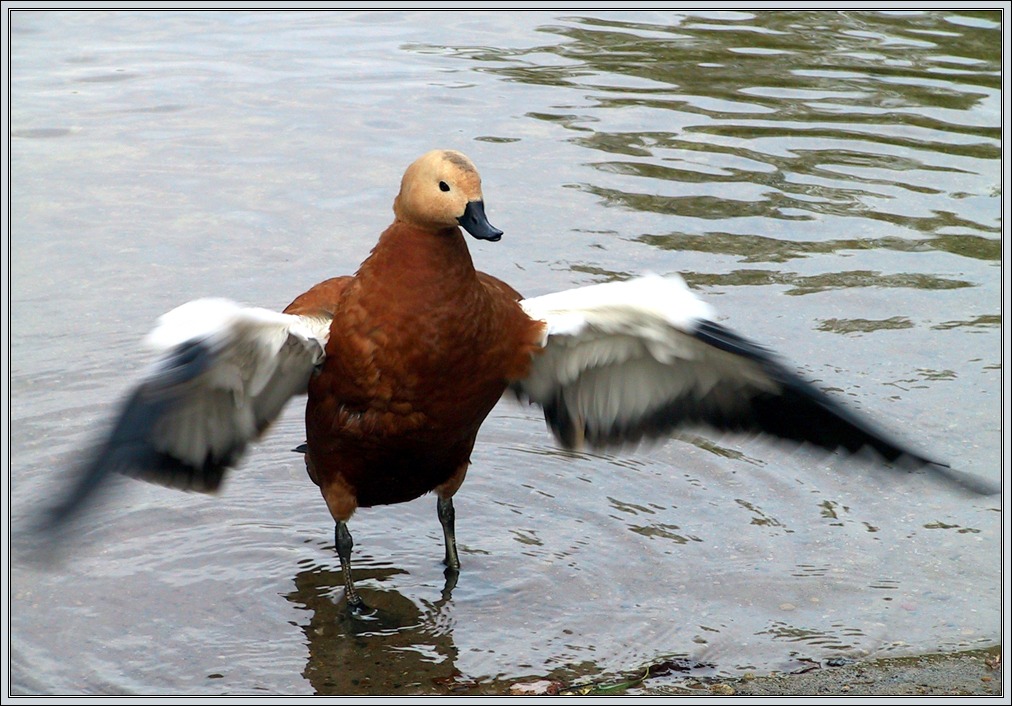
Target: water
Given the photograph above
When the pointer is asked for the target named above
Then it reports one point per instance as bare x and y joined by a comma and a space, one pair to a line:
829, 181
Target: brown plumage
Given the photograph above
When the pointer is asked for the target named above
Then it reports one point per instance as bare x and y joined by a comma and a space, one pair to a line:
421, 348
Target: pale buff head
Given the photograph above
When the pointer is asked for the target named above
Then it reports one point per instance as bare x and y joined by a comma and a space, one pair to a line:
442, 189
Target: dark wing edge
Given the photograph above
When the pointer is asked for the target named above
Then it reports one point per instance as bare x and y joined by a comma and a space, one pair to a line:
186, 423
725, 383
802, 412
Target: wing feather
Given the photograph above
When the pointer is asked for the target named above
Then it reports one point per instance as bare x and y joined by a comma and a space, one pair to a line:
223, 374
627, 361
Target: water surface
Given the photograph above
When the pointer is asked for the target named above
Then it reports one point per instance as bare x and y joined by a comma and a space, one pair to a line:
829, 181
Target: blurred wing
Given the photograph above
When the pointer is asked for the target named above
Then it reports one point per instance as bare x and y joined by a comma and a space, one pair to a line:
626, 361
224, 374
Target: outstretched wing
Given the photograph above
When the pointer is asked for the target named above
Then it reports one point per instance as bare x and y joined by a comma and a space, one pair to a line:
633, 360
224, 374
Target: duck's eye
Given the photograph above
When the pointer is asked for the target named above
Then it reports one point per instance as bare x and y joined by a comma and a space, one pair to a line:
443, 186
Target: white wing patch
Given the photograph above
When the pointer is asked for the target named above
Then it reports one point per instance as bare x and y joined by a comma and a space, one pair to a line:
620, 362
254, 360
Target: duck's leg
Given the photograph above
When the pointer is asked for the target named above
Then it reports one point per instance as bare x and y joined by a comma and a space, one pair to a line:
446, 514
342, 538
444, 509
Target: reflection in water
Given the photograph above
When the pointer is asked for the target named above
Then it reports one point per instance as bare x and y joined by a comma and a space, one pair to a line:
984, 321
401, 649
761, 248
811, 284
864, 325
409, 649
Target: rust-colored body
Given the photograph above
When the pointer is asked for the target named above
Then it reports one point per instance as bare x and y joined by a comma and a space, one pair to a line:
421, 348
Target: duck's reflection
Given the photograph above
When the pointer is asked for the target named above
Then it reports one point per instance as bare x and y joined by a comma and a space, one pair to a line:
402, 647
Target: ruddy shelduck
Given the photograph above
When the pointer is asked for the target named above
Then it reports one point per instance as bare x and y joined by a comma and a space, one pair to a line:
403, 361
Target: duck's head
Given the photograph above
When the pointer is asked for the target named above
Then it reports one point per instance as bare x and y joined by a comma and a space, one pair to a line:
441, 190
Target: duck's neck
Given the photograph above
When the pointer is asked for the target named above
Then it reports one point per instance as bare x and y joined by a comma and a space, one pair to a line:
417, 260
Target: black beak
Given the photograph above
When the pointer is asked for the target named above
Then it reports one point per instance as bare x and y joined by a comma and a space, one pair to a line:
475, 222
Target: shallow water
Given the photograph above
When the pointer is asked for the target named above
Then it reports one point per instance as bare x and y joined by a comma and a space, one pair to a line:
829, 181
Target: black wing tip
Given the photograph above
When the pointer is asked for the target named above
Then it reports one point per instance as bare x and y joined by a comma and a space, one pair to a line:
862, 441
47, 538
727, 340
50, 521
969, 482
168, 471
92, 481
128, 447
799, 411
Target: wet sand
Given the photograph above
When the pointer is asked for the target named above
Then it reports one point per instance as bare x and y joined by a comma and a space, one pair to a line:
971, 673
960, 674
976, 673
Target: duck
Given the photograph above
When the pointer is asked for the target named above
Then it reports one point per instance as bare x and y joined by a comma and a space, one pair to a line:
402, 362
